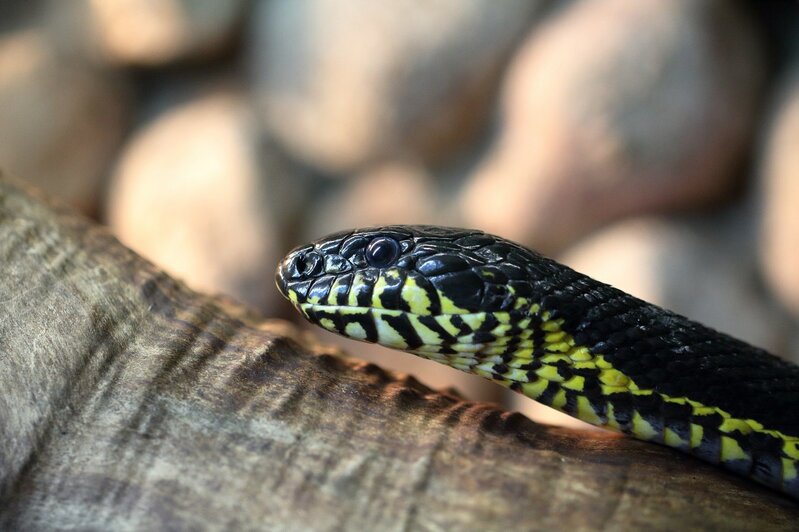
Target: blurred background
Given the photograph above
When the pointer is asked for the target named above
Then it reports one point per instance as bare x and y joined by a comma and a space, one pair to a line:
653, 144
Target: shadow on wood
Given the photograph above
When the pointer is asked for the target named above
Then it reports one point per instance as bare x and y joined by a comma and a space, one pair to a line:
128, 401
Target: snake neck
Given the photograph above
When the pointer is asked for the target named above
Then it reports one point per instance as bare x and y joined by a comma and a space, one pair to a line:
532, 354
528, 351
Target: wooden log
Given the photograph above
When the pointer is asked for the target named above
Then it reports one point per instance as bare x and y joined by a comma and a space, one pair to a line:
130, 402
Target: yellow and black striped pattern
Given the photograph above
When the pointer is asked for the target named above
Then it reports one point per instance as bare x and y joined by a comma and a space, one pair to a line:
526, 344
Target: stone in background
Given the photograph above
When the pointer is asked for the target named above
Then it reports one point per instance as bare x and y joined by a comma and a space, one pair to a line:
344, 83
704, 269
61, 119
147, 32
191, 194
391, 193
780, 195
618, 107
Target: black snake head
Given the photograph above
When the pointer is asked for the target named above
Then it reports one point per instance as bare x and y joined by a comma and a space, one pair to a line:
378, 284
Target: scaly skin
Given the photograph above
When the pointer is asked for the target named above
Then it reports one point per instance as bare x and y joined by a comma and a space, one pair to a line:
490, 307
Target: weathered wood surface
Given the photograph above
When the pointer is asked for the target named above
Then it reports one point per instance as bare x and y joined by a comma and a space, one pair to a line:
130, 402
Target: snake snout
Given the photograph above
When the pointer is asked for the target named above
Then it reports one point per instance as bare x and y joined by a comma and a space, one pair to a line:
296, 272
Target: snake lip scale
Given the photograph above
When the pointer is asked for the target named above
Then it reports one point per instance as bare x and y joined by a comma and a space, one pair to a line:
488, 306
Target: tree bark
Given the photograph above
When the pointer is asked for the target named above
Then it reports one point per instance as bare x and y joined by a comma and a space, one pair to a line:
130, 402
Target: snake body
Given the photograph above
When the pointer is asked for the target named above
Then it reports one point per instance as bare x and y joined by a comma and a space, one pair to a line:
487, 306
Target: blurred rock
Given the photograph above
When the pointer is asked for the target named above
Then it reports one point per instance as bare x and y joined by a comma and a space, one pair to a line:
343, 83
61, 120
189, 194
780, 195
393, 193
617, 107
18, 15
147, 32
705, 270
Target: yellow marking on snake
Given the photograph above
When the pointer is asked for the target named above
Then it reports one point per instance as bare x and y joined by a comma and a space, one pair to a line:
732, 424
293, 297
522, 356
464, 361
672, 439
585, 411
355, 330
416, 297
338, 286
612, 422
449, 307
352, 311
467, 347
576, 383
358, 283
483, 373
788, 469
474, 321
697, 433
427, 335
501, 330
554, 337
549, 373
386, 334
554, 359
580, 354
487, 367
516, 375
559, 399
642, 428
446, 323
613, 377
731, 450
377, 290
535, 389
791, 447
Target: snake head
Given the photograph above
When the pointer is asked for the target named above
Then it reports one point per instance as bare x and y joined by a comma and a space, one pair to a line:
401, 286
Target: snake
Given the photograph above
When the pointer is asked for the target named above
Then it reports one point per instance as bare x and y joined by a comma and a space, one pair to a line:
491, 307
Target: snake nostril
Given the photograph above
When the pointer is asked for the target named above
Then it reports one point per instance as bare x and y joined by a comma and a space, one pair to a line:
307, 264
300, 264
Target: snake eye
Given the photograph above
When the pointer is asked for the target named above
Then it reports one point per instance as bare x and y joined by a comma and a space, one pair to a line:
307, 264
382, 251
